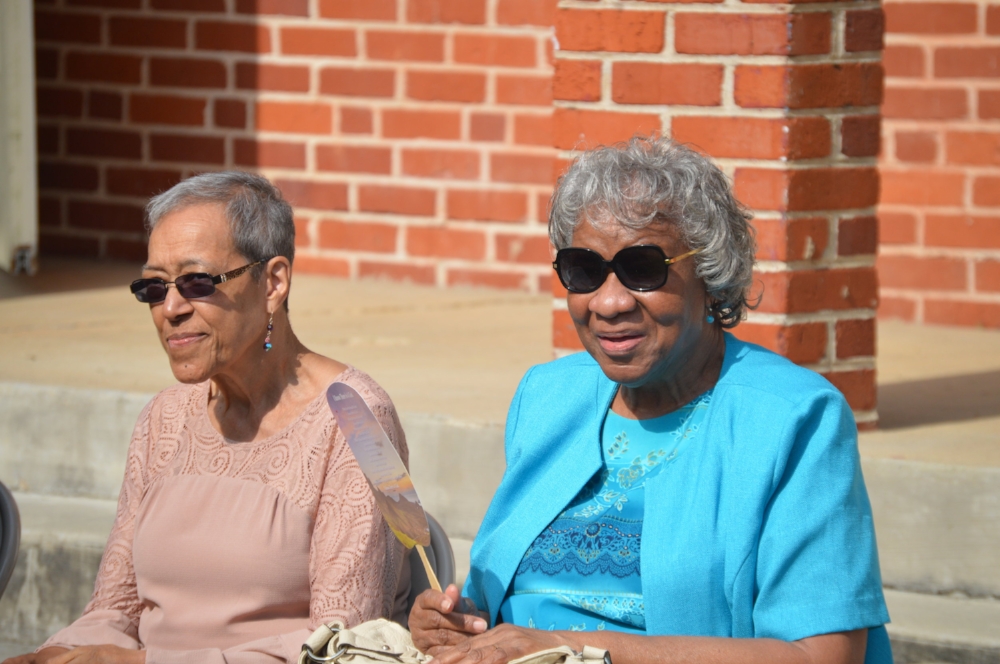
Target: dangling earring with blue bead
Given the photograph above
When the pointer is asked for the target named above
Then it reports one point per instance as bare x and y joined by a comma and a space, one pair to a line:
709, 318
267, 337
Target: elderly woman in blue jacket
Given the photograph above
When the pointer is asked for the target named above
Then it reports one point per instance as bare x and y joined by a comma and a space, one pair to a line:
673, 494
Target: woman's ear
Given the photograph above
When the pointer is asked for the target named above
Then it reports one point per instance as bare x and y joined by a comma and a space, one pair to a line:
278, 278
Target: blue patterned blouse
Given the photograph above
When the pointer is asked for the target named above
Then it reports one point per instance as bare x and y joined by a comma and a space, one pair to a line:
583, 573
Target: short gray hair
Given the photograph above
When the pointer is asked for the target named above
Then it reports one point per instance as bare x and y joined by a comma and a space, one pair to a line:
655, 180
260, 220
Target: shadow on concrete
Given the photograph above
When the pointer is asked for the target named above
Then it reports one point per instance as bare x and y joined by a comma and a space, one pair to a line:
62, 275
936, 400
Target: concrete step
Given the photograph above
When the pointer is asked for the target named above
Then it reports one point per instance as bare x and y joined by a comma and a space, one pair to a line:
72, 442
938, 526
929, 629
11, 649
62, 540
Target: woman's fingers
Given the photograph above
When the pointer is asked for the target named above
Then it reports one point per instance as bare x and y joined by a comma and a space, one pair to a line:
436, 622
434, 600
434, 611
443, 630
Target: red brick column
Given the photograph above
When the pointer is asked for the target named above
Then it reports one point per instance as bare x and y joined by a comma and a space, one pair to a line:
785, 97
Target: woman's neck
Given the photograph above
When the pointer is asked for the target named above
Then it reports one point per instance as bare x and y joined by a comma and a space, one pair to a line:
257, 385
675, 386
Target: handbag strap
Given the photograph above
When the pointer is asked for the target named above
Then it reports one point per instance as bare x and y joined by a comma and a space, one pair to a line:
592, 655
325, 645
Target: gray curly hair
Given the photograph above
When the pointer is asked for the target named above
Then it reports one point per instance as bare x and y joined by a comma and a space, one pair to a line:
654, 180
260, 219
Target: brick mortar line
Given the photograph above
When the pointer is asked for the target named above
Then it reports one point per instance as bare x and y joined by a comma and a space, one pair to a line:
495, 266
446, 264
936, 251
842, 364
937, 125
735, 59
277, 57
939, 251
969, 83
937, 40
271, 21
358, 217
950, 210
690, 109
829, 316
319, 175
970, 297
823, 264
639, 5
866, 416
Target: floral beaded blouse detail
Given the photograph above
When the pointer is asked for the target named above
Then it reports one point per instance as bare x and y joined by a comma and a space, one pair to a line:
596, 542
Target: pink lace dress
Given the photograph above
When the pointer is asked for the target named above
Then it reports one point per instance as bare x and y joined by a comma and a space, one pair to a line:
235, 552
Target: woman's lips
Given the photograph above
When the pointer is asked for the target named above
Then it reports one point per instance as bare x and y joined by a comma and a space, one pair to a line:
182, 340
619, 343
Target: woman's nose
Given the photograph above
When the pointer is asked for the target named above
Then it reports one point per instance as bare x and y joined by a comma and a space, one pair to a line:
175, 304
612, 299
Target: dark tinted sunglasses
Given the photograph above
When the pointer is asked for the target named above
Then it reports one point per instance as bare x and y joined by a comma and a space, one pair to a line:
640, 268
190, 286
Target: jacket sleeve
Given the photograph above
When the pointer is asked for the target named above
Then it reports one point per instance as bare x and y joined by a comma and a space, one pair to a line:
817, 562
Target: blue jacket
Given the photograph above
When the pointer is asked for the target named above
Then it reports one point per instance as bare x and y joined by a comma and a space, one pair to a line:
760, 528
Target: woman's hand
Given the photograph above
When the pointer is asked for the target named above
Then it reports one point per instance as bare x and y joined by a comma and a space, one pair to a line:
437, 620
43, 656
83, 655
503, 644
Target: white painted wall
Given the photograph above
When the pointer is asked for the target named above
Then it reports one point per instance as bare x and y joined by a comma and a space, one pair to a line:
18, 170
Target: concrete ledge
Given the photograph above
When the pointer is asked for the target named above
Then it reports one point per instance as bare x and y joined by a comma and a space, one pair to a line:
937, 526
73, 442
61, 546
10, 649
66, 441
64, 539
931, 628
456, 468
936, 523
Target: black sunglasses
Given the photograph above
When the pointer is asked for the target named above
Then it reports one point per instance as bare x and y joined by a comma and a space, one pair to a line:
190, 286
640, 268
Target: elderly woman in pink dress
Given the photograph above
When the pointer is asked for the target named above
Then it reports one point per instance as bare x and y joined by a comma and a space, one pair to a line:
244, 521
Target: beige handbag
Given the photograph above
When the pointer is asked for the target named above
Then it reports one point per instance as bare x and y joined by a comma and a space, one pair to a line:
385, 642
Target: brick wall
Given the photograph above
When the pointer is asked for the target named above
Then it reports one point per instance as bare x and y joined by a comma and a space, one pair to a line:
418, 138
786, 98
413, 136
940, 209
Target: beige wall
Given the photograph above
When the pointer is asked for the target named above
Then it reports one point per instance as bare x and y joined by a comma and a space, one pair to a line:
18, 183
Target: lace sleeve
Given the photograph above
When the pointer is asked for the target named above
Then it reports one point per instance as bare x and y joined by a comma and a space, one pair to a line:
112, 615
355, 561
